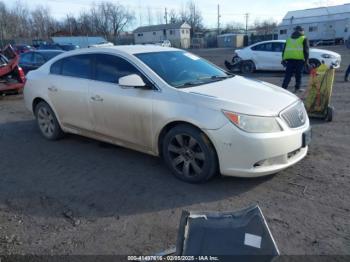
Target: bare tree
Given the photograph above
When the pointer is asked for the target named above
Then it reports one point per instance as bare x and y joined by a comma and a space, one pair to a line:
41, 21
265, 27
173, 16
149, 16
105, 18
233, 27
119, 18
3, 22
192, 15
160, 17
110, 19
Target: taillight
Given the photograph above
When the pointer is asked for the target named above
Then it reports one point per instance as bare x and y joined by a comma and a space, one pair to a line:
21, 74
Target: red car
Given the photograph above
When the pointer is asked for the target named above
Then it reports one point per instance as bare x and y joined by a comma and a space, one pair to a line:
12, 78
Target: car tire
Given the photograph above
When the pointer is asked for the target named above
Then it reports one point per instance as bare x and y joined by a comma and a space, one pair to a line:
330, 113
247, 67
189, 154
47, 122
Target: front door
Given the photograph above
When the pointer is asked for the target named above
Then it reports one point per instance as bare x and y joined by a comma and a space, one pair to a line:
124, 114
262, 55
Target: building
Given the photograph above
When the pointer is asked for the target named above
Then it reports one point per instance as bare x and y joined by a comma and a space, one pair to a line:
82, 41
320, 24
230, 40
177, 33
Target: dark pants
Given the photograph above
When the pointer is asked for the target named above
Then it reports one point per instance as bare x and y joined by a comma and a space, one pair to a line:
347, 73
294, 67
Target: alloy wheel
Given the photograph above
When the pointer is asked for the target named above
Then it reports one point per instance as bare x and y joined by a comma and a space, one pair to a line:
46, 122
186, 155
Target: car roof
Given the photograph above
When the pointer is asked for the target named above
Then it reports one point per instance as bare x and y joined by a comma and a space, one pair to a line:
270, 41
128, 49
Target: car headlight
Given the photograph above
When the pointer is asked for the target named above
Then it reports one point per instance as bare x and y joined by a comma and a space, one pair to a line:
327, 56
254, 124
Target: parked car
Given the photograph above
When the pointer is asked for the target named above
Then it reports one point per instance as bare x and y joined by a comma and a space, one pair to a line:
69, 47
12, 77
267, 55
20, 49
34, 59
49, 47
170, 103
165, 43
102, 44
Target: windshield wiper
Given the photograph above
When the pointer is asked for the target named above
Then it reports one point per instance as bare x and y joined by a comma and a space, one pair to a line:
216, 78
204, 80
190, 83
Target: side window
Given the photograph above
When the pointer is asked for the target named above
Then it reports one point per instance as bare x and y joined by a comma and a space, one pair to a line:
56, 67
263, 47
38, 59
258, 47
26, 58
277, 47
109, 68
77, 66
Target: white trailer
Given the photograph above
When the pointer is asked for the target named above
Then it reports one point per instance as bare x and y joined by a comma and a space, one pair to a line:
323, 24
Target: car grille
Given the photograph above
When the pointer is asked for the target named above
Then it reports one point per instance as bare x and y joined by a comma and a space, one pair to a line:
295, 116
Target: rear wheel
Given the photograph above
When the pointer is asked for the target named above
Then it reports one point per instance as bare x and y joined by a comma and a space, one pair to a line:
247, 67
189, 154
47, 121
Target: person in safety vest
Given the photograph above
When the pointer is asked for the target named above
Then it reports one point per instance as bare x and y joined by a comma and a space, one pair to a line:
294, 56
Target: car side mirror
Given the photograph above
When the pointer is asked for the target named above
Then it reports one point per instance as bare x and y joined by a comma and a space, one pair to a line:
133, 80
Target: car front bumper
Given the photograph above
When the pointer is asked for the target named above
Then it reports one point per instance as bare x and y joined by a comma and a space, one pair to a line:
332, 62
245, 154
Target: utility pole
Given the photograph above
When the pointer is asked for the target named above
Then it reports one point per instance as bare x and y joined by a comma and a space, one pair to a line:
166, 16
219, 16
246, 23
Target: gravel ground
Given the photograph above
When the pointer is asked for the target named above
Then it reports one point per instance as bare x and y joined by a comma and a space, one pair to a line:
80, 196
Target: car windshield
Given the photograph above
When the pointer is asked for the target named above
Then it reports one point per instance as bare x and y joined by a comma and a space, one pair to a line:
181, 69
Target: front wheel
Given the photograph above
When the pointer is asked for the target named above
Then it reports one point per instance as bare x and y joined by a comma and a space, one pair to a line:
189, 154
47, 122
247, 67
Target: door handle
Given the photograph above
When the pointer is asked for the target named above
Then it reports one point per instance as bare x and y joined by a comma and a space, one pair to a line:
52, 89
97, 98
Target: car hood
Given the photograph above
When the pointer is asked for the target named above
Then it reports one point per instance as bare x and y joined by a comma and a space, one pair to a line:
323, 51
241, 95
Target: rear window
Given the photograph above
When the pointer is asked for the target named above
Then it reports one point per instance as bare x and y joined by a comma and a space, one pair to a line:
74, 66
56, 68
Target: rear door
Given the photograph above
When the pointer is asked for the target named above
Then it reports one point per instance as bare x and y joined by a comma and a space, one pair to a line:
68, 90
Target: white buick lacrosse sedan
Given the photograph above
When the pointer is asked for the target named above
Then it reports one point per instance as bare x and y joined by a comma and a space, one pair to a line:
170, 103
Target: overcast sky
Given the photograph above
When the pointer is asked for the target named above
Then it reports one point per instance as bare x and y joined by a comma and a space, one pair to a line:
231, 10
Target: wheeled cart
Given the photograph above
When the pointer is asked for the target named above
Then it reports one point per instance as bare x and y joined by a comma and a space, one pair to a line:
318, 94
